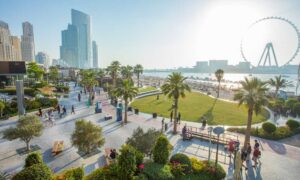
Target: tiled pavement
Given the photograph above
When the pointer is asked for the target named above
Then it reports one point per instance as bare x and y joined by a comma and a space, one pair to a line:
279, 161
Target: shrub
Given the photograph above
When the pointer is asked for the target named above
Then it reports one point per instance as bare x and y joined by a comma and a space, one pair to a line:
61, 88
34, 172
184, 160
290, 103
33, 158
127, 162
157, 171
292, 124
197, 165
177, 168
215, 173
74, 174
161, 150
139, 157
269, 127
104, 173
296, 108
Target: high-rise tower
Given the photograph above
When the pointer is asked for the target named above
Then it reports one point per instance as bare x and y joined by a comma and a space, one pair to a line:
95, 55
76, 41
27, 43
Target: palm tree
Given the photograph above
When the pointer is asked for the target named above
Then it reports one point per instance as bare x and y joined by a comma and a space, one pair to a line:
113, 71
89, 81
253, 95
127, 91
101, 75
175, 88
278, 83
219, 75
127, 72
138, 69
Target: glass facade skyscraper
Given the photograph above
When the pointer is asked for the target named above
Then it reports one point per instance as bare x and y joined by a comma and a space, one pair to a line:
95, 55
76, 41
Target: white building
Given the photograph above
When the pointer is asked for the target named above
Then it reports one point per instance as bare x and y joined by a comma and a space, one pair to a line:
27, 43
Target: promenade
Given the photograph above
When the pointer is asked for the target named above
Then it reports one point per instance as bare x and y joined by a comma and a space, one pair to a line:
279, 160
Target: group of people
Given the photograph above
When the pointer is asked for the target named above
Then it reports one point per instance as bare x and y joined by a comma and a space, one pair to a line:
113, 154
246, 153
177, 119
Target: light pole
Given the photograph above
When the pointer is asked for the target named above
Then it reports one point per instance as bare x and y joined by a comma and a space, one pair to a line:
209, 129
218, 131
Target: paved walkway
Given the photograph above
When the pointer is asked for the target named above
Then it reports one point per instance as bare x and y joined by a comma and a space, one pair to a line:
279, 161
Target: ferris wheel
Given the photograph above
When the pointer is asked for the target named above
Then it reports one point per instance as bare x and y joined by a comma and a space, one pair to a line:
268, 57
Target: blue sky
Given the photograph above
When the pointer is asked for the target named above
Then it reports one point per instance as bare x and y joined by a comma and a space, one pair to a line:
155, 33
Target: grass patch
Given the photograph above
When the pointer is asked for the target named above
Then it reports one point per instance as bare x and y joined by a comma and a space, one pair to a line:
146, 89
196, 106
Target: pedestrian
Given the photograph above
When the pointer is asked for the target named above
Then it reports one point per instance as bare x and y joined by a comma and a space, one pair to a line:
73, 110
40, 112
204, 123
162, 124
179, 118
184, 130
64, 110
171, 116
244, 157
80, 91
58, 109
79, 97
255, 157
84, 91
256, 144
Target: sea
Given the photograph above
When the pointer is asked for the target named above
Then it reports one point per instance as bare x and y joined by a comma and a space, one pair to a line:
231, 80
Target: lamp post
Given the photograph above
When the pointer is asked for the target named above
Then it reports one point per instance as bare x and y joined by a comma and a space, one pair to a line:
218, 131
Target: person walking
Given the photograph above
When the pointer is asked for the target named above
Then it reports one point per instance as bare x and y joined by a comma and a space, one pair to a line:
58, 109
73, 110
179, 118
255, 157
40, 112
79, 97
256, 144
64, 110
249, 150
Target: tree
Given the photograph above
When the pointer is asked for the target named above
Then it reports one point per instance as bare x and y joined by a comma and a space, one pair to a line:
138, 70
87, 136
35, 172
161, 150
53, 74
2, 106
101, 75
113, 71
27, 128
127, 72
175, 88
279, 83
126, 162
127, 91
89, 81
253, 95
219, 75
143, 141
34, 71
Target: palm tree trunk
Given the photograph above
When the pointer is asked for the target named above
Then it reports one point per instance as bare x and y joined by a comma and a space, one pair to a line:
175, 116
248, 130
276, 92
125, 114
218, 90
138, 77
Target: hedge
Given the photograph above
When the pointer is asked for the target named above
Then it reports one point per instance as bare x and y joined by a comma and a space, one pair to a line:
269, 127
157, 171
33, 158
27, 91
34, 172
74, 174
292, 124
184, 160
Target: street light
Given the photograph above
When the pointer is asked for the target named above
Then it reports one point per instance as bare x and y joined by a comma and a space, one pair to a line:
218, 131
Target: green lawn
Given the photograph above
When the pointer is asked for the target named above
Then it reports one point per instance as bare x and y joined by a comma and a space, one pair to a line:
146, 89
196, 105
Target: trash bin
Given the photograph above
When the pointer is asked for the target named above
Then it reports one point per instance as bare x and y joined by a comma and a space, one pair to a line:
129, 109
136, 111
154, 115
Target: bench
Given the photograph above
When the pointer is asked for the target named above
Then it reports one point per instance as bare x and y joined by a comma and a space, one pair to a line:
107, 117
57, 147
107, 157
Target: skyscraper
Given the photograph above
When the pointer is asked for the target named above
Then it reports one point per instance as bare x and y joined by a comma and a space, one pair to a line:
10, 48
5, 42
95, 55
76, 41
16, 48
42, 58
27, 43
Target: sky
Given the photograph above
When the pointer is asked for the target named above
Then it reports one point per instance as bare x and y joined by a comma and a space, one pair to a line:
163, 33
